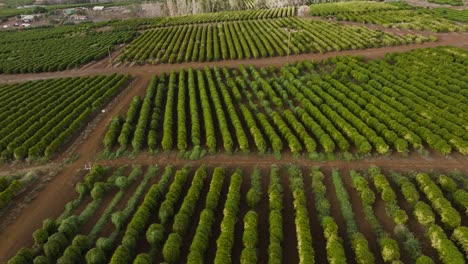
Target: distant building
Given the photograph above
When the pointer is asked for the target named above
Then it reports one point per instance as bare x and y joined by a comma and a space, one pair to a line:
78, 18
28, 18
303, 11
69, 11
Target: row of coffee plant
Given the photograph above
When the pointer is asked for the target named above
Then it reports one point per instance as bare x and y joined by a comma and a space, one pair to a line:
142, 214
394, 15
41, 50
409, 101
39, 117
254, 39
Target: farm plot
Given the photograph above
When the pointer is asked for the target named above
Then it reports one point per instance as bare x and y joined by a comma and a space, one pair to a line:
447, 2
360, 7
41, 50
268, 4
38, 117
227, 16
146, 23
387, 15
12, 185
447, 13
253, 39
256, 215
406, 102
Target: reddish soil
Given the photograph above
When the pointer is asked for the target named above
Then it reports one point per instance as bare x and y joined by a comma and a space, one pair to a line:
196, 217
290, 254
413, 225
335, 212
364, 226
318, 238
263, 214
215, 229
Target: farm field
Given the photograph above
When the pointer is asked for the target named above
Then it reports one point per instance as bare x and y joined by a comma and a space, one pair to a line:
55, 49
12, 185
38, 117
338, 105
203, 18
393, 16
418, 218
321, 133
254, 39
447, 2
450, 14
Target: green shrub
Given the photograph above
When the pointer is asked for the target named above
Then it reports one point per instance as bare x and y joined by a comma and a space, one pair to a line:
171, 249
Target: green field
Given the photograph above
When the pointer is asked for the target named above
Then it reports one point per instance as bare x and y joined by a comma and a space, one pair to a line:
56, 49
39, 117
161, 227
392, 15
340, 104
326, 132
254, 39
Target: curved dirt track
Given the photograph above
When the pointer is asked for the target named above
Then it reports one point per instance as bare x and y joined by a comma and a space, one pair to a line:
51, 200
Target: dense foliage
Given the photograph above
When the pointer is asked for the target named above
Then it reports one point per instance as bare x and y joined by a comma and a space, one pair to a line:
253, 39
55, 49
202, 18
219, 223
408, 101
39, 117
12, 185
447, 13
447, 2
392, 15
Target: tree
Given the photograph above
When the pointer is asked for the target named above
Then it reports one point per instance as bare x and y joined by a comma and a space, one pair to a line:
171, 250
155, 234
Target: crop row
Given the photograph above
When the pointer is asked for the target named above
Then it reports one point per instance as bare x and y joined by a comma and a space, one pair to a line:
36, 34
269, 4
161, 206
358, 7
447, 2
447, 13
226, 16
405, 19
38, 117
392, 15
253, 39
12, 185
397, 104
203, 18
58, 52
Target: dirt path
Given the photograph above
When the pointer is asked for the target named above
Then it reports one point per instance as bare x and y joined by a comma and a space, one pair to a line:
413, 162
